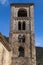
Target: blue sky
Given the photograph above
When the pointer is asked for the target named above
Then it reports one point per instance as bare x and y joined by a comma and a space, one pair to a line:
38, 18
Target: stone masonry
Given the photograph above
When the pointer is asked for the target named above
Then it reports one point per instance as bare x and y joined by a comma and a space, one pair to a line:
28, 47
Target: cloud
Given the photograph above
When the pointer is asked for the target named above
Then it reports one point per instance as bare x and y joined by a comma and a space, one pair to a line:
38, 44
39, 41
3, 2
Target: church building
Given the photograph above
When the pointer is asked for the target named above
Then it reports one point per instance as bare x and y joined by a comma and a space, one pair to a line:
19, 48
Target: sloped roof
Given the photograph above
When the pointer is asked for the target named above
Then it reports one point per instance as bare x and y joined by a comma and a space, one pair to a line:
7, 38
5, 42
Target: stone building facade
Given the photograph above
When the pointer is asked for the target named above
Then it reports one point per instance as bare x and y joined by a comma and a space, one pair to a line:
5, 51
21, 48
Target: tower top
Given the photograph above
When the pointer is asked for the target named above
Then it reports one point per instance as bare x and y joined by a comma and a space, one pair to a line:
22, 4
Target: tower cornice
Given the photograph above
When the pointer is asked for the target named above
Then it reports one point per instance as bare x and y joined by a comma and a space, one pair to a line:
21, 4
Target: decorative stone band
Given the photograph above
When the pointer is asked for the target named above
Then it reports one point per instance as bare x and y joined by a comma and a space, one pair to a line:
22, 18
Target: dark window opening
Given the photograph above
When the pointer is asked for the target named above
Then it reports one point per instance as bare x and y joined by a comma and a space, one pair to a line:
22, 13
19, 25
38, 63
21, 52
19, 37
23, 27
23, 39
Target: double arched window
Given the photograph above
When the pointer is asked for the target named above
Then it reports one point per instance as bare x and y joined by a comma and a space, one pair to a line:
21, 25
21, 38
22, 13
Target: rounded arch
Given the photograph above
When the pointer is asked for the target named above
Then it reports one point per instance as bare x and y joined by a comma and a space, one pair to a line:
21, 51
22, 13
21, 38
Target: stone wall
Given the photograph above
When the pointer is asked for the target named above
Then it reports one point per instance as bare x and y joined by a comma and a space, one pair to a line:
5, 56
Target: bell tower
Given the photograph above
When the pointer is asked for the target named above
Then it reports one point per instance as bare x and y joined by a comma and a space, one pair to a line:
22, 34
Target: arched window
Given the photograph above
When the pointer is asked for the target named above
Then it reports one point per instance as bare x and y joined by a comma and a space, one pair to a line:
19, 38
23, 39
19, 25
22, 13
21, 51
24, 25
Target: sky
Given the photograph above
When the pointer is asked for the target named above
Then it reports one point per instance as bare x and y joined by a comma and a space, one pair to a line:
38, 18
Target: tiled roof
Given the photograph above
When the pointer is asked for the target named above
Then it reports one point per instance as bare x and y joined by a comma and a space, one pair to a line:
5, 42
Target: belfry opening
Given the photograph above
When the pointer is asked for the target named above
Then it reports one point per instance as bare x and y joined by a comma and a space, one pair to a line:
22, 13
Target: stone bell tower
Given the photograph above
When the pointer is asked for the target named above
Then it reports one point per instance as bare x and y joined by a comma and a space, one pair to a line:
22, 34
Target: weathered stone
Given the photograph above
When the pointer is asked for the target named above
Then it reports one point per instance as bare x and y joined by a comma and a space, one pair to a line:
29, 45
